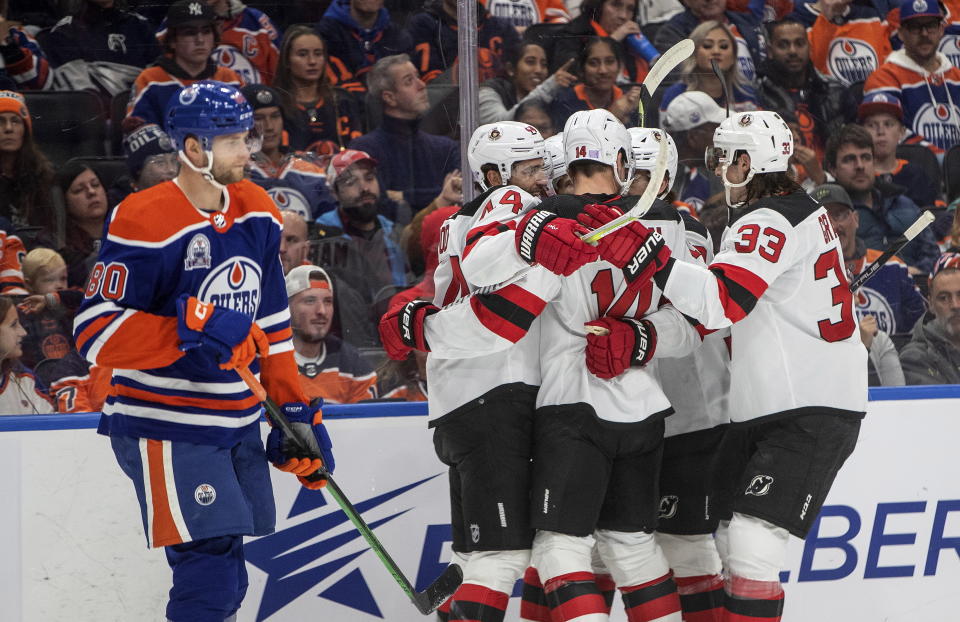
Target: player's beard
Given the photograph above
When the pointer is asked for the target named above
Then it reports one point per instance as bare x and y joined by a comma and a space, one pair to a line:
227, 174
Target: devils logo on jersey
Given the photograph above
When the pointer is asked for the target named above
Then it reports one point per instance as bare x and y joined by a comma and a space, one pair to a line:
234, 284
668, 506
759, 485
851, 60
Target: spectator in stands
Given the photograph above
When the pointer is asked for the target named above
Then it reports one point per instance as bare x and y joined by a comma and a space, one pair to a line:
20, 393
616, 19
44, 271
11, 254
691, 119
599, 64
358, 34
353, 178
293, 179
891, 296
188, 42
933, 354
294, 240
806, 164
101, 47
921, 78
884, 212
25, 173
47, 314
533, 113
526, 80
317, 116
882, 116
151, 159
714, 41
434, 34
744, 29
522, 15
248, 41
787, 81
414, 164
329, 368
25, 66
848, 39
883, 362
86, 205
404, 380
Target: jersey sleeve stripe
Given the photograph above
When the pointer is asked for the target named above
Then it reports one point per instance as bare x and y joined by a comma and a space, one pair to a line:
98, 309
476, 234
739, 290
279, 335
268, 322
93, 328
508, 312
220, 403
280, 347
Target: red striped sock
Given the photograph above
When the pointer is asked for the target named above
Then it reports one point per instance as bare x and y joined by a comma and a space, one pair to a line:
476, 603
607, 588
573, 595
533, 602
701, 597
747, 600
654, 600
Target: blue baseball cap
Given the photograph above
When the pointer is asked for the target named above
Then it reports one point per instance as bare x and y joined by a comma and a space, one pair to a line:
912, 9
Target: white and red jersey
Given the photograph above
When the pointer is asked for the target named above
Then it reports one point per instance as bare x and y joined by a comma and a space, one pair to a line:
473, 254
597, 289
697, 384
779, 283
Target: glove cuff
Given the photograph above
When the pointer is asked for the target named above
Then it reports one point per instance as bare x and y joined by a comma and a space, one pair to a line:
644, 255
411, 330
528, 233
644, 341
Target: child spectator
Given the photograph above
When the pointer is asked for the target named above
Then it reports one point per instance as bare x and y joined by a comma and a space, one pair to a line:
25, 173
188, 42
86, 204
526, 81
358, 34
713, 41
20, 393
100, 47
599, 64
47, 314
882, 116
318, 117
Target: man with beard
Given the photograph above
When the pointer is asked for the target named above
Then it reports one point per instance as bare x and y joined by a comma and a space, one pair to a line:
329, 368
352, 176
933, 354
789, 82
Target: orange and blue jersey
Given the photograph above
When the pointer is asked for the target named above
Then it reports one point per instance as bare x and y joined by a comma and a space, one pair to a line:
158, 246
526, 13
339, 375
297, 183
12, 252
930, 100
851, 50
156, 84
949, 44
25, 62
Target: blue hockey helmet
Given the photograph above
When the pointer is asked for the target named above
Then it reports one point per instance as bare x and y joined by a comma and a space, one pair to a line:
207, 109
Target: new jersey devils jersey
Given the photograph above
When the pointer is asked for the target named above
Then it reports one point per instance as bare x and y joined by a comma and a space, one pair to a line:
158, 246
779, 282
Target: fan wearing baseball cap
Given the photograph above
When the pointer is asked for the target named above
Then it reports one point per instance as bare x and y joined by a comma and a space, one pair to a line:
329, 368
691, 117
922, 78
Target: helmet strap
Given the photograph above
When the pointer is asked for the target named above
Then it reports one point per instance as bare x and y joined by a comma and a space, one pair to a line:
727, 185
206, 172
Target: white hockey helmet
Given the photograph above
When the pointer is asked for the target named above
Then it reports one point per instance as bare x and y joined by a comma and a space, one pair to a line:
556, 163
645, 142
598, 136
503, 144
762, 134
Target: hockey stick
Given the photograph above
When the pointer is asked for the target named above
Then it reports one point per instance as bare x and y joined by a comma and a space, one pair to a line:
426, 601
912, 231
723, 82
668, 61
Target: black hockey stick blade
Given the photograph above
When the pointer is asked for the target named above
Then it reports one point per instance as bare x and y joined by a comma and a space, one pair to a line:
427, 600
912, 231
723, 82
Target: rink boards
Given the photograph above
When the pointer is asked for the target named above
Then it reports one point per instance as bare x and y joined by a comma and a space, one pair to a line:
886, 547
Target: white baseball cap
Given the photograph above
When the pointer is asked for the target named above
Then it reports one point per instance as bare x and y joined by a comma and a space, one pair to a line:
692, 109
303, 278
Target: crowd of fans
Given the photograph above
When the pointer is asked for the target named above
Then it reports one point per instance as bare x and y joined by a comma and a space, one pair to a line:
356, 104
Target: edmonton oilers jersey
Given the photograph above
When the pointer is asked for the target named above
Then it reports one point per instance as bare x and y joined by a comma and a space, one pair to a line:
157, 247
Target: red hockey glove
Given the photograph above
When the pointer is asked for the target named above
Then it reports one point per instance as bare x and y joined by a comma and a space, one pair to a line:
401, 329
637, 250
628, 343
553, 242
299, 455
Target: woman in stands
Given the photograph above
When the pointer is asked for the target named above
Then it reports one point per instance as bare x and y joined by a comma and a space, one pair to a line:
713, 40
599, 63
616, 19
86, 206
19, 394
526, 81
317, 116
25, 173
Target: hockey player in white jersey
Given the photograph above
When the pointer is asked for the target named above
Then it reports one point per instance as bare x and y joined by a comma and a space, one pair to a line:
798, 380
482, 408
556, 166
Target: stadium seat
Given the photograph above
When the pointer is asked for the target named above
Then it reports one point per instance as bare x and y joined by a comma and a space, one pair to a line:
67, 124
109, 169
118, 110
919, 155
951, 172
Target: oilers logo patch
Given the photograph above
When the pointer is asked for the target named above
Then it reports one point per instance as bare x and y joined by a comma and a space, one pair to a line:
938, 124
231, 58
198, 253
234, 284
205, 494
851, 60
286, 198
